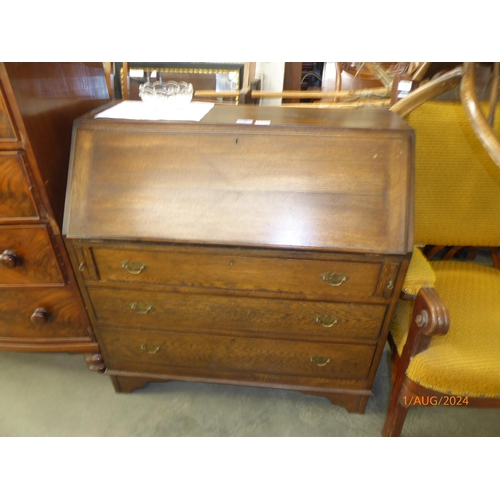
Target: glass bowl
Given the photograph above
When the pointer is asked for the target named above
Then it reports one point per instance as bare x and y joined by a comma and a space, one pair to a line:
168, 95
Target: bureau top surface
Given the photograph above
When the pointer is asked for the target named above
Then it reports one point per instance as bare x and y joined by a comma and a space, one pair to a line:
363, 118
309, 179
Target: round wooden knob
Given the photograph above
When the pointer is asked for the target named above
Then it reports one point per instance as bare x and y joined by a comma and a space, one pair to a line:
8, 259
40, 316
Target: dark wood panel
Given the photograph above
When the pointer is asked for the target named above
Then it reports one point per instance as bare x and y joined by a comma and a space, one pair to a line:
27, 256
238, 271
220, 353
49, 96
242, 189
41, 306
8, 131
302, 119
64, 318
285, 318
15, 196
63, 344
136, 376
277, 163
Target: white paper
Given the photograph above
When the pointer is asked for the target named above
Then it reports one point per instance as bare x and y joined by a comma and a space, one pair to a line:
405, 85
137, 110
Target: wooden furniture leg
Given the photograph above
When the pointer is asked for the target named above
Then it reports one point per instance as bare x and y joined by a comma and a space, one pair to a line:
95, 362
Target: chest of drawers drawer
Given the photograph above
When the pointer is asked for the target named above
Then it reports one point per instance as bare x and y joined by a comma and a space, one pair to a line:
15, 195
47, 312
248, 271
27, 256
202, 312
211, 354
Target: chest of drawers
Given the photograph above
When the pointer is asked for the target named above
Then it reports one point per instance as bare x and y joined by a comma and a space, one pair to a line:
41, 308
266, 255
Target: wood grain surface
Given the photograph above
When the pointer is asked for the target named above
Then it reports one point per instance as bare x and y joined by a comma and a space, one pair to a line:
258, 186
15, 196
17, 305
196, 311
238, 270
36, 260
225, 353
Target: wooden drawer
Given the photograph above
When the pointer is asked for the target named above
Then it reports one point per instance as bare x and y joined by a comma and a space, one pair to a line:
8, 131
289, 318
241, 271
27, 256
63, 314
15, 196
217, 353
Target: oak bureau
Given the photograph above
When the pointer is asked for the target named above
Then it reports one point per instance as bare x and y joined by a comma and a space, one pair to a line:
260, 246
41, 308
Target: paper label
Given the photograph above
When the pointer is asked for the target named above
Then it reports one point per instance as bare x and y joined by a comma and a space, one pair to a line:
404, 85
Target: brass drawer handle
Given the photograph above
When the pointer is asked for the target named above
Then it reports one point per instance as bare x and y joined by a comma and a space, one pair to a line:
326, 321
319, 360
134, 267
150, 348
334, 279
141, 308
8, 259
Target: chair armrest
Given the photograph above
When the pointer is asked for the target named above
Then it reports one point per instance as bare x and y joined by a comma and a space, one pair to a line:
429, 317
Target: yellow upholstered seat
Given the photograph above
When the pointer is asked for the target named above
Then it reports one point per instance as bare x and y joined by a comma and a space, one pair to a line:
465, 361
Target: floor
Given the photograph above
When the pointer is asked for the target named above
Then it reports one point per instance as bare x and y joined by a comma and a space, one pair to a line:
56, 395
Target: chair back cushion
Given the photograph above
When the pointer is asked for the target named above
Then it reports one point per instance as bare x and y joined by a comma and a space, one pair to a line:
457, 185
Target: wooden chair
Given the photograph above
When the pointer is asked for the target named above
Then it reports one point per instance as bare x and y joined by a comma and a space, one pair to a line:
352, 85
445, 335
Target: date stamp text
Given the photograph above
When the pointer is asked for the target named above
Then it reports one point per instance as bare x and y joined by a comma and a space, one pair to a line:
435, 400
